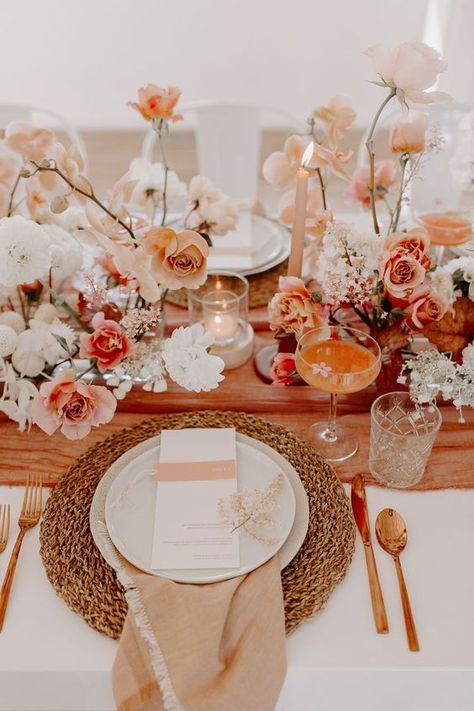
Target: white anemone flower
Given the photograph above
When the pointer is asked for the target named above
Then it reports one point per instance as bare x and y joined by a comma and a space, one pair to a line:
24, 251
186, 358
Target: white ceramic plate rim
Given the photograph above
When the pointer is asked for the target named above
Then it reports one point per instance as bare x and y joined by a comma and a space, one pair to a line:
287, 551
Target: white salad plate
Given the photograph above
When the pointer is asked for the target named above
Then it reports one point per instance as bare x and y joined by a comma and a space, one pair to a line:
125, 501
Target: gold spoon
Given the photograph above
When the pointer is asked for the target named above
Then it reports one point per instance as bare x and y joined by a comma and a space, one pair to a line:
392, 536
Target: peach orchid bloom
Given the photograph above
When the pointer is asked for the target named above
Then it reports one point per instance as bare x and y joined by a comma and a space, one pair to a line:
280, 167
155, 102
337, 116
29, 141
385, 178
316, 216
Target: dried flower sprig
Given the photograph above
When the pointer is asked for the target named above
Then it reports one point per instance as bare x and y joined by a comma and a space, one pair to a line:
252, 509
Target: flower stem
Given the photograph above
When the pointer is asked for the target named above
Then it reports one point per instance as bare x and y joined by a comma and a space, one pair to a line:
323, 187
159, 131
12, 195
403, 186
90, 196
370, 150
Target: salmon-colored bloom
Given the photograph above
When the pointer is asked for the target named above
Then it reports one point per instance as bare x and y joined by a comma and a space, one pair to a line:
408, 136
155, 102
108, 343
385, 178
425, 307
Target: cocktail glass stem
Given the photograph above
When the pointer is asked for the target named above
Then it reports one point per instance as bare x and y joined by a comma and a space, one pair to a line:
330, 432
439, 254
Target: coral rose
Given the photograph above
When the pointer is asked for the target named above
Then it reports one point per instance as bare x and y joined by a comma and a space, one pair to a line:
108, 343
72, 405
155, 102
425, 307
408, 136
292, 309
401, 273
284, 369
415, 242
411, 68
178, 258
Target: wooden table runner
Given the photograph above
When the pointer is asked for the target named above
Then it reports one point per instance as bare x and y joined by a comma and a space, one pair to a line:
451, 464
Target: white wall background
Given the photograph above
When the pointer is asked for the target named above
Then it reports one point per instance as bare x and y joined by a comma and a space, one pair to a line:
85, 58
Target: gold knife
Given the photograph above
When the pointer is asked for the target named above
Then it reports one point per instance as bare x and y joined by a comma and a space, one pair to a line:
361, 516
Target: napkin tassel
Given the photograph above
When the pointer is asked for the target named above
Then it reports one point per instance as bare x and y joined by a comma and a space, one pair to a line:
170, 700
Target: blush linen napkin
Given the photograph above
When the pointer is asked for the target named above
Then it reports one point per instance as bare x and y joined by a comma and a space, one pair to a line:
215, 647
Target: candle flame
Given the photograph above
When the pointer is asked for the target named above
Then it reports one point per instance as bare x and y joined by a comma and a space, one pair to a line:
307, 155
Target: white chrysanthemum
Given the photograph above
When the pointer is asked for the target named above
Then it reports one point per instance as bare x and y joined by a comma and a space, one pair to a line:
187, 361
148, 192
74, 218
8, 341
66, 253
46, 312
14, 320
462, 264
27, 359
24, 251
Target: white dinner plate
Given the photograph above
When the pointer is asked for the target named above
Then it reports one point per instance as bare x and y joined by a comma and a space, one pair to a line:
129, 490
270, 245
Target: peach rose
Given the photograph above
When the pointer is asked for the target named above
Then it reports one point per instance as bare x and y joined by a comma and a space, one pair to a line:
178, 258
338, 116
72, 405
385, 178
408, 136
411, 68
283, 369
401, 273
155, 102
425, 306
108, 343
414, 242
29, 141
292, 309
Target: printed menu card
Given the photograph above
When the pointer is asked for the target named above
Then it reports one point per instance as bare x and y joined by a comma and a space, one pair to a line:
196, 468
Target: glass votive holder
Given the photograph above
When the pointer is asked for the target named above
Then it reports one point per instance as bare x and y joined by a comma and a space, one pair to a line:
221, 305
402, 434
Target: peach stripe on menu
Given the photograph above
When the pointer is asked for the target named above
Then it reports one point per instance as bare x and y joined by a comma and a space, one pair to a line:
195, 471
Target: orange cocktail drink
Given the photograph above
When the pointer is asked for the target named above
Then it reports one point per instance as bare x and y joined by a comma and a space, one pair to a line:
447, 229
336, 360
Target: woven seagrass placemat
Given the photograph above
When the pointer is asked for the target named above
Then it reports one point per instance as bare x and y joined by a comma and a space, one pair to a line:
261, 288
88, 584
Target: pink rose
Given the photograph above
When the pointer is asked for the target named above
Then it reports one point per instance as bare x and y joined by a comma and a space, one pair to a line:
155, 102
401, 273
74, 406
108, 343
408, 136
292, 309
385, 178
415, 242
411, 68
284, 369
425, 307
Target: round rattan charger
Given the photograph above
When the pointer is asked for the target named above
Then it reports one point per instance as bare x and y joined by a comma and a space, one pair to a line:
88, 584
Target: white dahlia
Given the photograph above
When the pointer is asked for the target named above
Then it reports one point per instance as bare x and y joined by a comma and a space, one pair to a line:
24, 251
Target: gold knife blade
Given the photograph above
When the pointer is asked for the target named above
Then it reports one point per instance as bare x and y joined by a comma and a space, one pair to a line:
361, 516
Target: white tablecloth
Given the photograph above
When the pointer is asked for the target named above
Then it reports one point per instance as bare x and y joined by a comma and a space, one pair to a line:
50, 660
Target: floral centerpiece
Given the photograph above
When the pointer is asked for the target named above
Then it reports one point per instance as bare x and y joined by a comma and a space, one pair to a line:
83, 280
384, 278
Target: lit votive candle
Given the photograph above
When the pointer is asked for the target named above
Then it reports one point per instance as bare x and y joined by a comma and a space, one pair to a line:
221, 314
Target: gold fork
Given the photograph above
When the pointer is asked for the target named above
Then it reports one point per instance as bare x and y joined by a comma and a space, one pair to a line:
29, 516
4, 525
